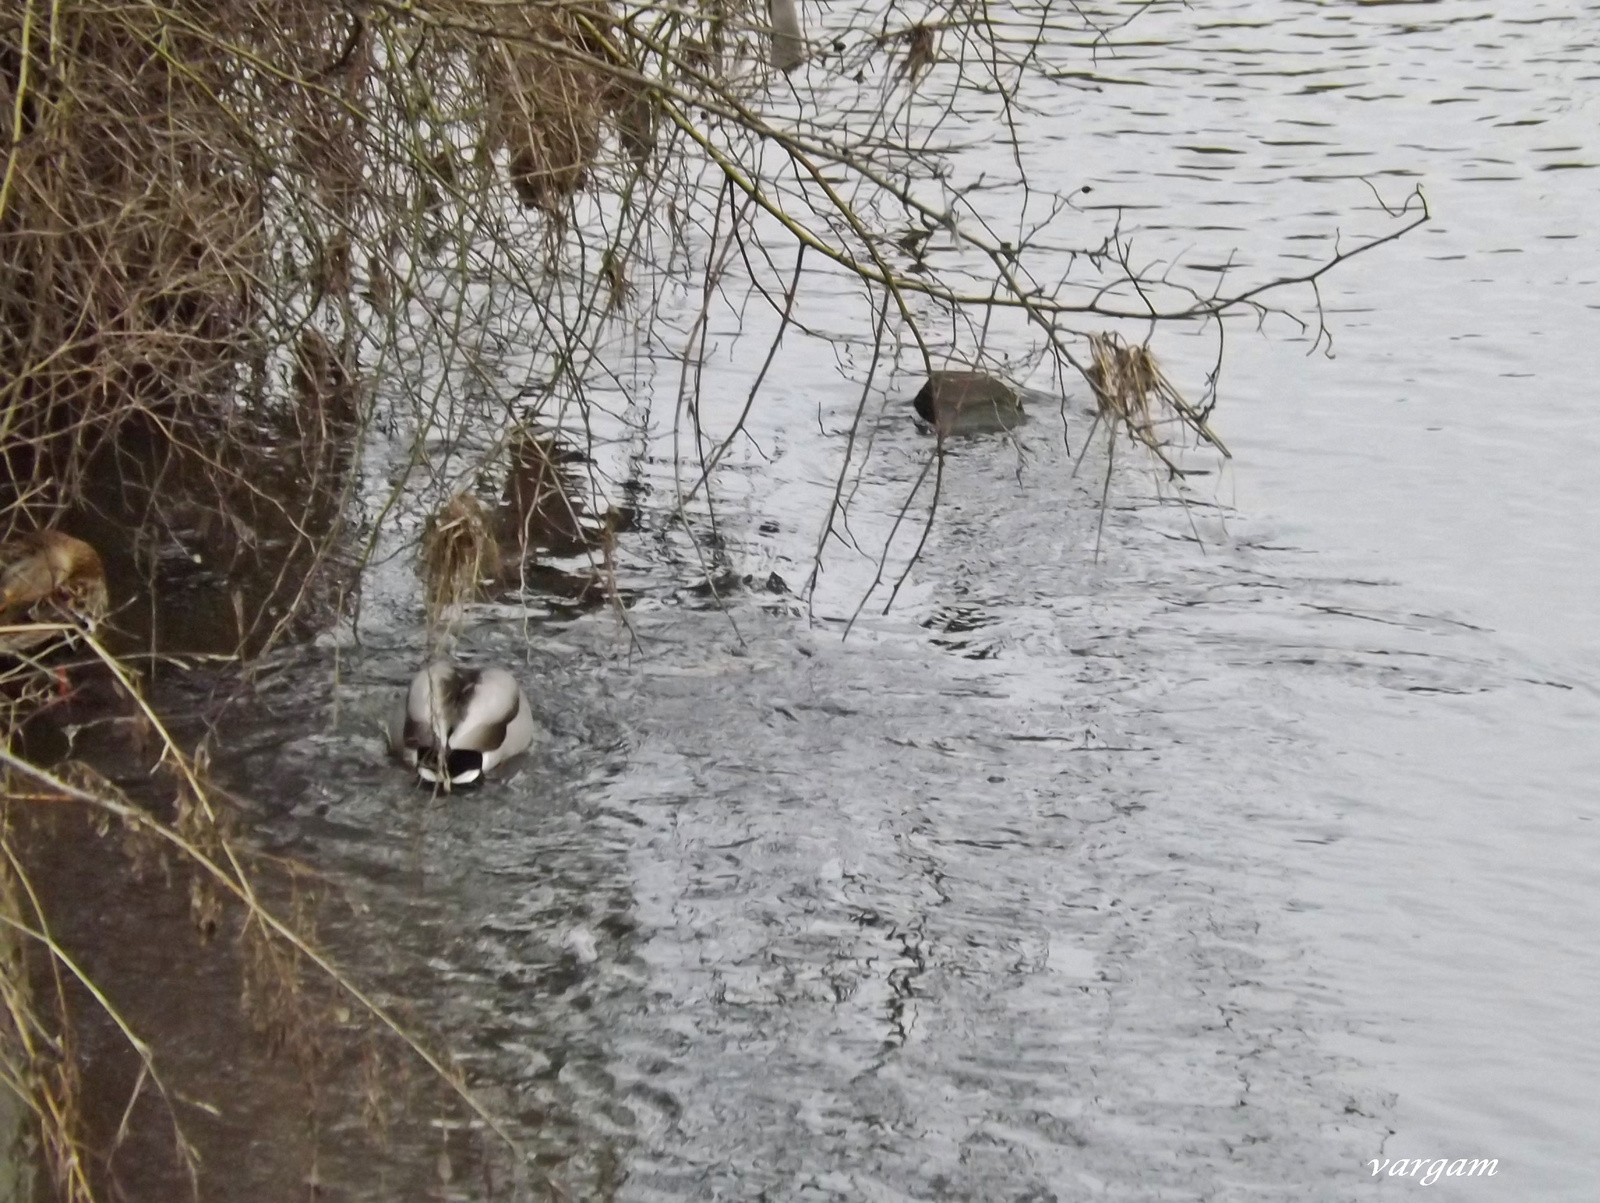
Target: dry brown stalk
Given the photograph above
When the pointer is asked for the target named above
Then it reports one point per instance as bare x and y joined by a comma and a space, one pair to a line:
459, 554
544, 107
1133, 393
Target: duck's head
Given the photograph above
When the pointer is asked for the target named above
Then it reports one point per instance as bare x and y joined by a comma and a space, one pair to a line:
923, 403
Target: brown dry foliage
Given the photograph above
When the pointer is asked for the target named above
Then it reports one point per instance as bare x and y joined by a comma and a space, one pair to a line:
544, 104
190, 191
459, 554
190, 195
130, 224
1133, 394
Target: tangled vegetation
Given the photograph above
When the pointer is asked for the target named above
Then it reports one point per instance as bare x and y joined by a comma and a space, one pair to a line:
242, 243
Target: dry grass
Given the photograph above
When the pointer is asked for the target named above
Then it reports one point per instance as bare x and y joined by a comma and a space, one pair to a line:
1134, 395
459, 554
130, 249
298, 1003
191, 197
544, 106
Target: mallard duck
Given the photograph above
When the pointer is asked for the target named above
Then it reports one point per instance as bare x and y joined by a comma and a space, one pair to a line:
968, 403
455, 724
47, 578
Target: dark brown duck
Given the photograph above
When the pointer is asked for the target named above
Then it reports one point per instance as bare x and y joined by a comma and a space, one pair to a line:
956, 403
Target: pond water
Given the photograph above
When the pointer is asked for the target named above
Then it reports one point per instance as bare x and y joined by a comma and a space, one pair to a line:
1207, 854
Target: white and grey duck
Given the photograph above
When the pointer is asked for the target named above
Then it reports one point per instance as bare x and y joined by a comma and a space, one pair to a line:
457, 724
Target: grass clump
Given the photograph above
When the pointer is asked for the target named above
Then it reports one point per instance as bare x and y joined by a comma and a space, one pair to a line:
459, 555
1134, 395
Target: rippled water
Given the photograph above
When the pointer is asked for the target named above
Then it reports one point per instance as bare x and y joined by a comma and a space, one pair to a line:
1259, 844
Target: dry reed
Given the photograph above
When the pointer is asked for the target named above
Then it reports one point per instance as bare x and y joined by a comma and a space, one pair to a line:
1133, 394
544, 106
459, 554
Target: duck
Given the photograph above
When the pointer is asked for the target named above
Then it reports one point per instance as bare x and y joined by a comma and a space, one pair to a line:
46, 578
456, 724
956, 403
